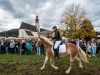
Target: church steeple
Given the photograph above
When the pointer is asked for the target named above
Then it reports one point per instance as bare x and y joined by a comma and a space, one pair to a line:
37, 23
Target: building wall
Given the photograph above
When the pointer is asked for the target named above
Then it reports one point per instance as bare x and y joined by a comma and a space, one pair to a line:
35, 34
22, 33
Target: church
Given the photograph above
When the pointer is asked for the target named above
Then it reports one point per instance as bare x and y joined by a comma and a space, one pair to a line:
27, 31
30, 31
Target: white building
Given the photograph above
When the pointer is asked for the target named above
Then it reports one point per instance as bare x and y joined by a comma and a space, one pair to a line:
28, 30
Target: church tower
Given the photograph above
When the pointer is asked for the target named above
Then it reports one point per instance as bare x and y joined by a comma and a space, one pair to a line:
37, 23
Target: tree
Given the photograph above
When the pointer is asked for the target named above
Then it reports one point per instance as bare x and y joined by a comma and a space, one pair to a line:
14, 35
72, 18
86, 30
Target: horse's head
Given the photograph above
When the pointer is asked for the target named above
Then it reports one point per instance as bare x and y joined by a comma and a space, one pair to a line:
44, 40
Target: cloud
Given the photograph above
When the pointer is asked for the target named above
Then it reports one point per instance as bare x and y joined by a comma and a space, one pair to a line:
13, 12
7, 5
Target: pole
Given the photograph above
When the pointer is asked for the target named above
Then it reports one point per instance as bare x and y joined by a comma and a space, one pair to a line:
20, 47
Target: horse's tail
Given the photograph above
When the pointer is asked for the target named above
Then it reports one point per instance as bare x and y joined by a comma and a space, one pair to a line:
83, 56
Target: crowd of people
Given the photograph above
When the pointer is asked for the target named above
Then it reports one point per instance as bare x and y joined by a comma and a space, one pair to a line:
27, 46
92, 47
23, 46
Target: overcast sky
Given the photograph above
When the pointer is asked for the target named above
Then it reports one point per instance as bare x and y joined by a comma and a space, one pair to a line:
14, 12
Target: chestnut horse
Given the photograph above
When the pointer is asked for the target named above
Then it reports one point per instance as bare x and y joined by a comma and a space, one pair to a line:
71, 50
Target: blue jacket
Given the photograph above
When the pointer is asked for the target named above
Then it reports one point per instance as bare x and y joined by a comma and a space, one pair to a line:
28, 45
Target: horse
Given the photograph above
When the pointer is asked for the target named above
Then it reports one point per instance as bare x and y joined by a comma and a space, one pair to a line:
71, 49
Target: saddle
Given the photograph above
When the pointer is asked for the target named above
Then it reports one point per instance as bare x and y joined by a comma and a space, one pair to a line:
61, 48
60, 44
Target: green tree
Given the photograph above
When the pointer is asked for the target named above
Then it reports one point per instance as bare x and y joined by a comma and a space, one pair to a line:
86, 30
14, 35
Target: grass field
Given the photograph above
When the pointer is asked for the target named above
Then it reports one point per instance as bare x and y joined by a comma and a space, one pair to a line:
31, 64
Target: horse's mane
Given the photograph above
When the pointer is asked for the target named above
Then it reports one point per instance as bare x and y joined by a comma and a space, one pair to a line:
47, 40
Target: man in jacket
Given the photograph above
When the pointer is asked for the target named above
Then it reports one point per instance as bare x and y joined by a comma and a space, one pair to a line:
7, 44
57, 42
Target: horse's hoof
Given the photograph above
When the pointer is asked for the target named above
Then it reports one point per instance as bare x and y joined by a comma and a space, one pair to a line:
81, 66
41, 68
56, 68
67, 72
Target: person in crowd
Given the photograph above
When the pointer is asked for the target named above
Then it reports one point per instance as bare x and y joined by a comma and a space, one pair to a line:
78, 42
93, 46
67, 40
84, 46
17, 46
3, 46
23, 46
30, 40
28, 47
7, 44
98, 46
73, 41
89, 48
38, 48
63, 39
42, 49
12, 46
15, 40
33, 45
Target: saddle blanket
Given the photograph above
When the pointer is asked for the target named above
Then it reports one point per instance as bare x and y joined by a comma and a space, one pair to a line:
62, 48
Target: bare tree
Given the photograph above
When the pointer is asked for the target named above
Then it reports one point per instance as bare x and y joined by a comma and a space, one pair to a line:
72, 18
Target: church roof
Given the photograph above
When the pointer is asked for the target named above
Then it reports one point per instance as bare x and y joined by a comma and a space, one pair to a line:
28, 27
31, 27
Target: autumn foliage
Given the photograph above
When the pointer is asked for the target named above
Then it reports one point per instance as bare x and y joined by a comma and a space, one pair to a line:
75, 23
86, 30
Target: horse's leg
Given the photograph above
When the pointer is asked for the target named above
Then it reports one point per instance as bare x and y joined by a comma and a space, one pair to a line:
46, 59
80, 63
52, 63
72, 58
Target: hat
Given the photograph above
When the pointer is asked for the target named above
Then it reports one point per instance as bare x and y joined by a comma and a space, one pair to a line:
54, 27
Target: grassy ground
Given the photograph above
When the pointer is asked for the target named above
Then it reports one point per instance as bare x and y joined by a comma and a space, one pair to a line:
31, 64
